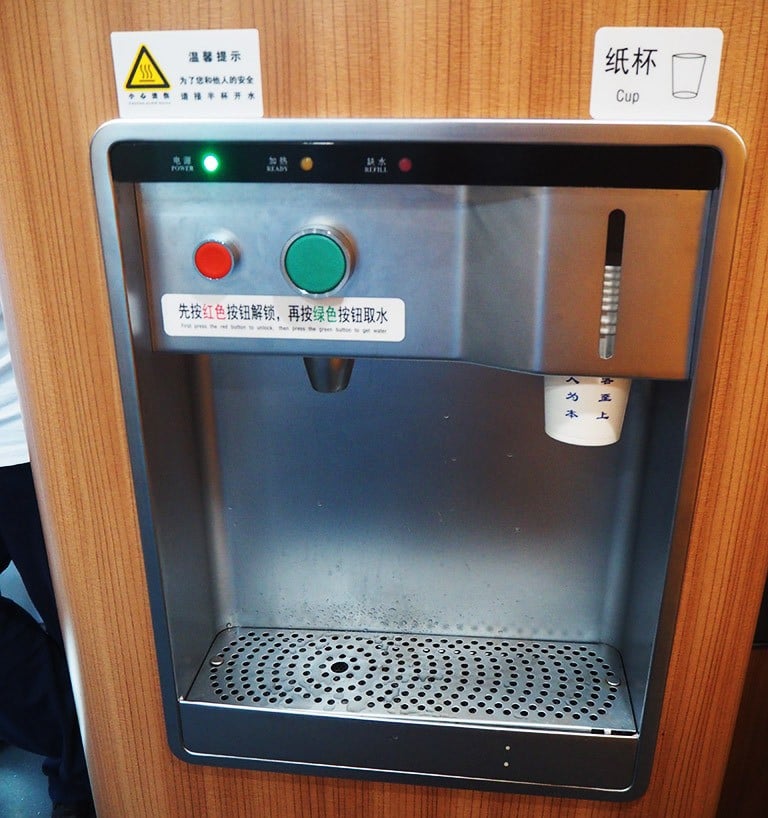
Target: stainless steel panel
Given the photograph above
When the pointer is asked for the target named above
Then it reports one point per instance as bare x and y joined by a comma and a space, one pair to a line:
661, 273
510, 277
424, 498
580, 765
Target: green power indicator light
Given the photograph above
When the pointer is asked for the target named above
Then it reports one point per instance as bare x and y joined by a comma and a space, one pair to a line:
211, 162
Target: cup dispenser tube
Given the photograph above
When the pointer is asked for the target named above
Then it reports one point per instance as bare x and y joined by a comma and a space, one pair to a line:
365, 555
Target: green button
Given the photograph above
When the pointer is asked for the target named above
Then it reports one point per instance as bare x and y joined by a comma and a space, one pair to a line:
315, 263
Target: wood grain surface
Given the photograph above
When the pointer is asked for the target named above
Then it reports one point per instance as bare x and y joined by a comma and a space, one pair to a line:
346, 58
745, 786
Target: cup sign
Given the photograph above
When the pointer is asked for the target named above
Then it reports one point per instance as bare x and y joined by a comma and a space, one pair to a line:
656, 73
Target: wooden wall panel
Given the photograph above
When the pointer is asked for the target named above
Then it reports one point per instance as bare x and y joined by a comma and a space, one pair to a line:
745, 786
345, 58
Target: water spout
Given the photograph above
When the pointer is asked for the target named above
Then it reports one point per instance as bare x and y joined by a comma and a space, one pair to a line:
329, 374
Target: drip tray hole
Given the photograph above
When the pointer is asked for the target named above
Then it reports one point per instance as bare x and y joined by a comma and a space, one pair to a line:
339, 667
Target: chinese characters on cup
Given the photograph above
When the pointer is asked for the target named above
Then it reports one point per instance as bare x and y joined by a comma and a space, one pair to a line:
585, 411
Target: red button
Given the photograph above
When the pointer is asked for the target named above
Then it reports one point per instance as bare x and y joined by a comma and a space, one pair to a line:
214, 259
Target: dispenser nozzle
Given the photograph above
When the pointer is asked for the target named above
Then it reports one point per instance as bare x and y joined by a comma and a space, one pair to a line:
329, 374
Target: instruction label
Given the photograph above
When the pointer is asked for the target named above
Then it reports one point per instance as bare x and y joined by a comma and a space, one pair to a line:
656, 73
188, 74
277, 316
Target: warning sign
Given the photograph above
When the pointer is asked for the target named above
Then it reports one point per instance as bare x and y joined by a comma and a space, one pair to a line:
146, 75
197, 74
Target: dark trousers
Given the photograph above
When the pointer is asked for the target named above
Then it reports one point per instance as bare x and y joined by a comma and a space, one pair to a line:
37, 709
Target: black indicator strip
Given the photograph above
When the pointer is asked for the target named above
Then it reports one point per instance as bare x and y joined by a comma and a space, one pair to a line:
665, 167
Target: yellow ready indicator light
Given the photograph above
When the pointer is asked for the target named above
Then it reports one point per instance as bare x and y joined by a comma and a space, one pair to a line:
307, 163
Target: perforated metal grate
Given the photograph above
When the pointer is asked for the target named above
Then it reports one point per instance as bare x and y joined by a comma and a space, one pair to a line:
552, 684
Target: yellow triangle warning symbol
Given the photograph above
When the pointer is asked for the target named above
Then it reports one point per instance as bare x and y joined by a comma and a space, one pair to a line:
146, 73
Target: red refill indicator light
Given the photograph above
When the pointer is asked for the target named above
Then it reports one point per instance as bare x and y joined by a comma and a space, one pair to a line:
405, 165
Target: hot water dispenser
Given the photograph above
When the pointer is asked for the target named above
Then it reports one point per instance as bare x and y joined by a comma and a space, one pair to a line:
366, 555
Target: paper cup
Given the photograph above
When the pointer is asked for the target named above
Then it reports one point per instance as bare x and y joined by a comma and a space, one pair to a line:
585, 411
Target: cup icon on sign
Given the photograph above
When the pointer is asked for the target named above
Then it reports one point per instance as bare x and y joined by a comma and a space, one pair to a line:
687, 72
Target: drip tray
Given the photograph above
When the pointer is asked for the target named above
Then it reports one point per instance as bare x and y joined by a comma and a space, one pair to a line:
504, 682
